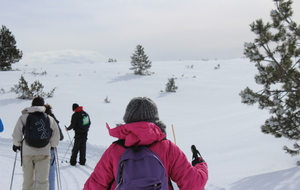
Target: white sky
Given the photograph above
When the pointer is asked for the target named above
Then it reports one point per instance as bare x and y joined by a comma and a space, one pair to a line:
167, 29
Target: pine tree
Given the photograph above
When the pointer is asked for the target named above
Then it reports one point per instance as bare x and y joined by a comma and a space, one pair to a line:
9, 53
170, 86
36, 89
276, 52
139, 61
22, 89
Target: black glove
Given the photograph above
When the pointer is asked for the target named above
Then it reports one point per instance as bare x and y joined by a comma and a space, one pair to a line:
15, 148
196, 159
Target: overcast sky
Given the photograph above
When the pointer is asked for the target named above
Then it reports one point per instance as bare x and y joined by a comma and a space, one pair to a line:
167, 29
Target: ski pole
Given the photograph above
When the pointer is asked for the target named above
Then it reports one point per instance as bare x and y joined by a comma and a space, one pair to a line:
13, 172
57, 170
174, 134
68, 133
67, 151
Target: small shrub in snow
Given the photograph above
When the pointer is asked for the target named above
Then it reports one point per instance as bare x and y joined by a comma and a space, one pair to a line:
36, 89
110, 60
106, 100
217, 67
170, 86
190, 66
37, 73
2, 91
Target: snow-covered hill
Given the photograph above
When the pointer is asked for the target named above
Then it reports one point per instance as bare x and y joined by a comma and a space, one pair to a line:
206, 111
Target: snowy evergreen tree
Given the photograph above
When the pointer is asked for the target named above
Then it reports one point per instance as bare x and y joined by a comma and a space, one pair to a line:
139, 61
275, 52
9, 53
170, 86
22, 89
36, 89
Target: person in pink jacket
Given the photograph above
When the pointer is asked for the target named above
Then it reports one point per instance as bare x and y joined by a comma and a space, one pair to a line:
143, 127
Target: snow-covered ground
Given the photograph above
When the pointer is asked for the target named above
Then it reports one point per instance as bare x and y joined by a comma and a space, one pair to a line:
206, 111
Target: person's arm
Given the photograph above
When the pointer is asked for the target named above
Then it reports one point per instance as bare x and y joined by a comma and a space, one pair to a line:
184, 174
103, 174
18, 132
52, 115
73, 122
61, 135
54, 140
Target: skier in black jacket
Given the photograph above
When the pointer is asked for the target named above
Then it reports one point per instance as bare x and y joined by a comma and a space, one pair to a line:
81, 133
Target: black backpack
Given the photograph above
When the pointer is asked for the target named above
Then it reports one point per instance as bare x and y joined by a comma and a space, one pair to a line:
84, 121
37, 131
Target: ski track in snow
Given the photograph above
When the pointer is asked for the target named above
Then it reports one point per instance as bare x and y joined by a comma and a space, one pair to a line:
72, 177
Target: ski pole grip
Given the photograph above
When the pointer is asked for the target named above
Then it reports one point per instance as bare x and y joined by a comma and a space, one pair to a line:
193, 147
195, 151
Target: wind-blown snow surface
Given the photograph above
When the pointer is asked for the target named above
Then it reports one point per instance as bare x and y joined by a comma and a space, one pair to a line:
206, 111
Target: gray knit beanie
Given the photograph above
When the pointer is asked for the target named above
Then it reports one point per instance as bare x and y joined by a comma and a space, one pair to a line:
143, 109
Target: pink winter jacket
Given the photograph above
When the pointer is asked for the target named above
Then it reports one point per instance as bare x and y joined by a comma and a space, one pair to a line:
178, 168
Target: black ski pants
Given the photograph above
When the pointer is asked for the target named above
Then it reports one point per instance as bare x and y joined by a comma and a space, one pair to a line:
79, 146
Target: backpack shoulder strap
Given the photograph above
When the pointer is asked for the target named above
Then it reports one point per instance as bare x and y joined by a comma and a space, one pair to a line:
47, 119
121, 142
26, 122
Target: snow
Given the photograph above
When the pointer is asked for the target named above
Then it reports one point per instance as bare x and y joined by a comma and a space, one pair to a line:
206, 111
